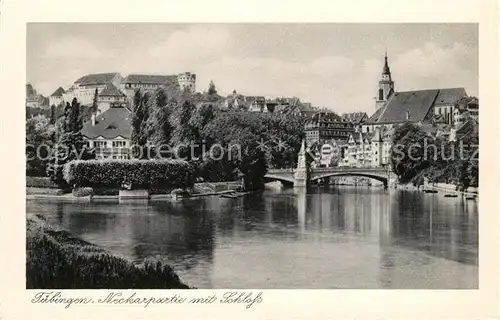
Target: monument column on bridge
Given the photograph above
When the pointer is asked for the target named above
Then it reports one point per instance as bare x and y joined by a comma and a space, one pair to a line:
302, 171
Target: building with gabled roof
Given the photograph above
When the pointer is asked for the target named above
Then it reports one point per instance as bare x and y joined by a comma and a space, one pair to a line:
84, 88
56, 98
110, 96
97, 79
466, 108
446, 102
417, 106
151, 82
324, 126
395, 107
109, 133
256, 103
356, 118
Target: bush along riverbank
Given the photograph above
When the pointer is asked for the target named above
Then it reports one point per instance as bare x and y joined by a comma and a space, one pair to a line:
57, 260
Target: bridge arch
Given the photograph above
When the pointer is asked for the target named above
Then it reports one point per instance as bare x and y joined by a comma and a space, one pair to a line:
381, 178
282, 178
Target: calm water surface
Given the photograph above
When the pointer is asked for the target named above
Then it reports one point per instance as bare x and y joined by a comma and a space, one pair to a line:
324, 238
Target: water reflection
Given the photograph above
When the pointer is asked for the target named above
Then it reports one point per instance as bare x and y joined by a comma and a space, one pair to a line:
292, 238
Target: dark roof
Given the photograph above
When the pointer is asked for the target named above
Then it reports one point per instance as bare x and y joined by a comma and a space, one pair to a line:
111, 90
58, 93
375, 116
98, 78
469, 127
450, 96
355, 117
464, 102
309, 114
150, 79
322, 116
386, 69
303, 107
251, 99
110, 124
410, 106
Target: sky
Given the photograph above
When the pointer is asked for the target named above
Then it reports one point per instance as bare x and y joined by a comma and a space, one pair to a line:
331, 65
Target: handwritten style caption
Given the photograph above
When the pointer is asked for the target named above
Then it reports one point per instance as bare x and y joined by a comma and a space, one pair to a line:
133, 298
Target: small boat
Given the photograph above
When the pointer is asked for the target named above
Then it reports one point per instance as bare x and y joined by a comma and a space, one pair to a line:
470, 198
430, 191
451, 195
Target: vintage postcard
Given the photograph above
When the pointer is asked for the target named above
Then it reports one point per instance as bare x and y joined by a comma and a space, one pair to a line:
191, 166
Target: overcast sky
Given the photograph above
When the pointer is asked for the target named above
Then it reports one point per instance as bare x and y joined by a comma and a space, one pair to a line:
332, 65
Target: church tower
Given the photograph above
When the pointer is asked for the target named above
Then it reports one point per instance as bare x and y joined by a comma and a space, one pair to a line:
385, 85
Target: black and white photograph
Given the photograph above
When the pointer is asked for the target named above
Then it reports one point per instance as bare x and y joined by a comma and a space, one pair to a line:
252, 155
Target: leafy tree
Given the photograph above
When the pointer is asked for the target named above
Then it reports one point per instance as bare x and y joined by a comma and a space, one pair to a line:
95, 106
211, 88
409, 154
70, 144
138, 121
185, 132
52, 114
433, 157
40, 135
160, 126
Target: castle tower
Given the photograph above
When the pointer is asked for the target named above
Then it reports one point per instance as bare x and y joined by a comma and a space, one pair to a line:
187, 80
385, 85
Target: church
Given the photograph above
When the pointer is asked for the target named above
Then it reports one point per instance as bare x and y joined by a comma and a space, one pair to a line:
418, 106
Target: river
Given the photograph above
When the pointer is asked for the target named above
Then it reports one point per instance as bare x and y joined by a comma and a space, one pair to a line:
325, 237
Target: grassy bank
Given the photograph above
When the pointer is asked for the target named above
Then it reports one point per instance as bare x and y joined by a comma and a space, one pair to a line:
57, 260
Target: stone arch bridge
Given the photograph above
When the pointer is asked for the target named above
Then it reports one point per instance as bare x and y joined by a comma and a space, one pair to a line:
289, 176
303, 175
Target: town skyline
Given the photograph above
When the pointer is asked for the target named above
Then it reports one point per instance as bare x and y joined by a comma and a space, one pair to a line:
336, 66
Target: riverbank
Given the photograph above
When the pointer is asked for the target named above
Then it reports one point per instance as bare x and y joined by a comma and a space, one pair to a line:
444, 188
57, 260
198, 190
69, 197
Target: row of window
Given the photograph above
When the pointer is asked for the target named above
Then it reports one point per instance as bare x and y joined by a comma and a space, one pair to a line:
145, 86
114, 144
100, 157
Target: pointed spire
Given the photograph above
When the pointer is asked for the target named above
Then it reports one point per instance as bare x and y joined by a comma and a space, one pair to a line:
386, 69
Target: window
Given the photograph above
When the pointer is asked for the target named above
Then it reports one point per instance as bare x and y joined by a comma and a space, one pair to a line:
100, 144
118, 144
381, 94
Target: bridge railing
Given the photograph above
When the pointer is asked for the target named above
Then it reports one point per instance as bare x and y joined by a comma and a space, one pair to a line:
332, 169
291, 170
350, 169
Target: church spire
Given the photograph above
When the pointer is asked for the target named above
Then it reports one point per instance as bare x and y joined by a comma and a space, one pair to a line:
385, 85
386, 69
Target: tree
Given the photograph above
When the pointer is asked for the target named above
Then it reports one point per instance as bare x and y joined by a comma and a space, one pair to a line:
211, 88
138, 121
410, 154
70, 144
184, 131
95, 106
52, 114
40, 135
159, 126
